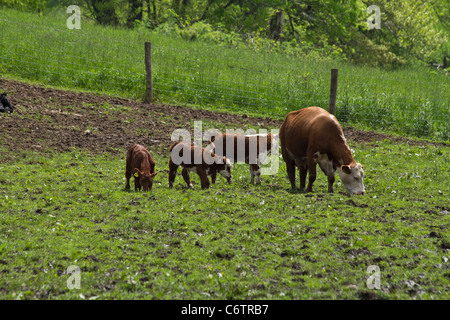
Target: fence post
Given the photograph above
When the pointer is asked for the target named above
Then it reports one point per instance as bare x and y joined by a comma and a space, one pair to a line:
148, 70
333, 90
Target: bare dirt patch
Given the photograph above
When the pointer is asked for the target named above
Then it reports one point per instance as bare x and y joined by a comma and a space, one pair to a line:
48, 119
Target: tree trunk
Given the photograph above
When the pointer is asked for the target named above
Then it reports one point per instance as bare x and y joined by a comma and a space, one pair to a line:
104, 12
276, 25
135, 12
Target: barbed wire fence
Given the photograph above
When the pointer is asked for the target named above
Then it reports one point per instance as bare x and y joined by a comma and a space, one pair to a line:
220, 78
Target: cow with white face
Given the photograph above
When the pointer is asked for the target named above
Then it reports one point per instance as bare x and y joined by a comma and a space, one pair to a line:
313, 136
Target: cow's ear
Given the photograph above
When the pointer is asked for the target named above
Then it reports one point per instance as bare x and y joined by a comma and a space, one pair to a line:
346, 169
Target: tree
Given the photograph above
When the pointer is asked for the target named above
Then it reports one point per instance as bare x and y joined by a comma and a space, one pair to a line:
409, 28
104, 11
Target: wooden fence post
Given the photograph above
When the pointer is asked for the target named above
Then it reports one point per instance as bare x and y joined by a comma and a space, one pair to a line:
148, 70
333, 90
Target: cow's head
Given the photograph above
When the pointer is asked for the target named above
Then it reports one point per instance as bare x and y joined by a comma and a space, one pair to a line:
225, 169
145, 179
352, 177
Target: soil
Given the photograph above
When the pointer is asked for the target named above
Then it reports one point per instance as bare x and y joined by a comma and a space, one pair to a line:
55, 120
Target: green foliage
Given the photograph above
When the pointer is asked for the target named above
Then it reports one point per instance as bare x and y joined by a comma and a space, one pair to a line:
411, 30
25, 5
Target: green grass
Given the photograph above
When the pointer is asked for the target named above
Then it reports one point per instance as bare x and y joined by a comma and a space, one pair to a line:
234, 241
411, 101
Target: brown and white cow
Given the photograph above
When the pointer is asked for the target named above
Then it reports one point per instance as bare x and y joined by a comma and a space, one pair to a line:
251, 149
312, 135
199, 160
140, 163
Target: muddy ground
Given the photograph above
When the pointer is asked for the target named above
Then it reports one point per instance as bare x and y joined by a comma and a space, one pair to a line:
55, 120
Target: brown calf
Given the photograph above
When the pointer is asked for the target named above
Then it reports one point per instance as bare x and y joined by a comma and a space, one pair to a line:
251, 149
199, 160
140, 163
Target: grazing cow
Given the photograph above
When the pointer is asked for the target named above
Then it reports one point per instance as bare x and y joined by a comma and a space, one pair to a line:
312, 135
5, 105
140, 163
199, 160
251, 149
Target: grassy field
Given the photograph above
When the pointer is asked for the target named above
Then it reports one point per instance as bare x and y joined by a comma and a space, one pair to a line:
412, 101
234, 241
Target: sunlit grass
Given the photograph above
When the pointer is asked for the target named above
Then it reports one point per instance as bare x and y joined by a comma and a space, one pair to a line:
234, 241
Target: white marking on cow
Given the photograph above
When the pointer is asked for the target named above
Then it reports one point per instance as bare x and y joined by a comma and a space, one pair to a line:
324, 162
262, 157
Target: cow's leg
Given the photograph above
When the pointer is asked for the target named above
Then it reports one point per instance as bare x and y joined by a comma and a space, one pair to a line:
311, 171
252, 175
330, 175
290, 168
213, 177
331, 178
172, 173
303, 172
203, 178
327, 168
127, 178
187, 179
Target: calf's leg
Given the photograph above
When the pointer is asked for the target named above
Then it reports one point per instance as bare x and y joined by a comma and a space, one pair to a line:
186, 178
255, 172
203, 178
172, 173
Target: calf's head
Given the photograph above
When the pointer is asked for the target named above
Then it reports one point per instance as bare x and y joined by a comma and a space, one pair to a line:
5, 102
352, 177
145, 179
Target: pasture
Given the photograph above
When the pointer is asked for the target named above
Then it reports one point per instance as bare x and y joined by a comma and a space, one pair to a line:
63, 203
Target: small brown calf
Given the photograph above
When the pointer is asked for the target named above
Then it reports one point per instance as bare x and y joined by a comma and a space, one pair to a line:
140, 163
251, 149
199, 160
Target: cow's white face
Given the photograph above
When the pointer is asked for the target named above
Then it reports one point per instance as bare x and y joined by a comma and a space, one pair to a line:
352, 178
